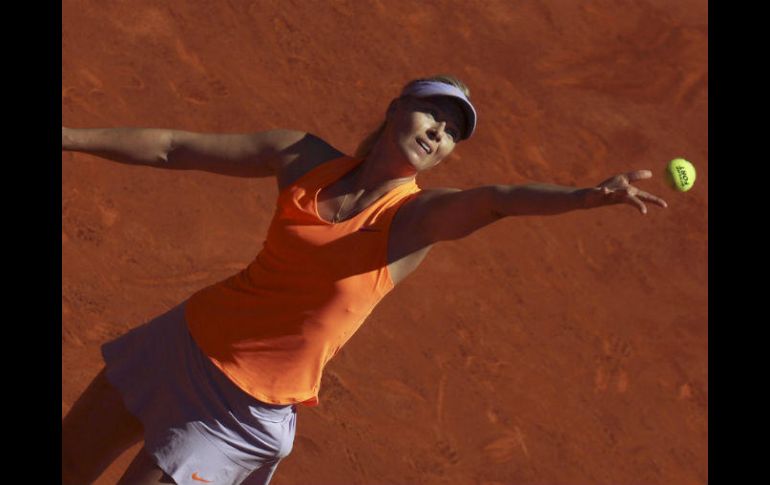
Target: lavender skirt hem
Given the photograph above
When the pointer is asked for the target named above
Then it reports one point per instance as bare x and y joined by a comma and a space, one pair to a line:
196, 421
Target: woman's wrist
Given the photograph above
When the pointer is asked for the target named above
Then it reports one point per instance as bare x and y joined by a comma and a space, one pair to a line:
66, 138
584, 199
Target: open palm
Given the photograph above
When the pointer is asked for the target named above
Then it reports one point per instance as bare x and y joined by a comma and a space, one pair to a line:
618, 190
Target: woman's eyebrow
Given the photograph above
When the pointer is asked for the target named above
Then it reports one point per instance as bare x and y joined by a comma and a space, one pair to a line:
456, 124
446, 114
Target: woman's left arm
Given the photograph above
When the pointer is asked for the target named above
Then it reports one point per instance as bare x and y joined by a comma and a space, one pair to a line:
548, 199
449, 214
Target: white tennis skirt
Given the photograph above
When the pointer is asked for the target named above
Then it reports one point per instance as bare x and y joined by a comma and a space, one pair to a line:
198, 425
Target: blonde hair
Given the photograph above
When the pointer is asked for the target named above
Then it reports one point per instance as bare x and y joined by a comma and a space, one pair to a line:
365, 147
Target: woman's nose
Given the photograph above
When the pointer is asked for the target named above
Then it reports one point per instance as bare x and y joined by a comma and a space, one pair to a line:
437, 131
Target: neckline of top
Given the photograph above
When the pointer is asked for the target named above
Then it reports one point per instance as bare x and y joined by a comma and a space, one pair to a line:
340, 177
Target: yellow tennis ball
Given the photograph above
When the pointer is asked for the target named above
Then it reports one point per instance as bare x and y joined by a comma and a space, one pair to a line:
680, 174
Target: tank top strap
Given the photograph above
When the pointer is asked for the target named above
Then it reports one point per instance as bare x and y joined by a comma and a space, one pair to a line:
325, 173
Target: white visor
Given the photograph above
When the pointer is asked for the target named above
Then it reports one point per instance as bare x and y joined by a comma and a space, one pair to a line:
425, 89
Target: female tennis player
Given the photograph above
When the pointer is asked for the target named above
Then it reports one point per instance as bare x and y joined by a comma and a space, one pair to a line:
213, 385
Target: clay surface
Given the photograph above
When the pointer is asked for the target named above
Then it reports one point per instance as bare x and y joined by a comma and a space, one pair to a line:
569, 349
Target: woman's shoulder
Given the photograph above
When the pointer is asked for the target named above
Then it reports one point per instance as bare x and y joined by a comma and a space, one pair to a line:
307, 154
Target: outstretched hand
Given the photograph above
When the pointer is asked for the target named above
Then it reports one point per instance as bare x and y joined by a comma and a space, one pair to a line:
618, 190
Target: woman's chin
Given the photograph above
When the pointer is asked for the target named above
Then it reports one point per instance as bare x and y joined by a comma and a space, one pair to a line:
416, 158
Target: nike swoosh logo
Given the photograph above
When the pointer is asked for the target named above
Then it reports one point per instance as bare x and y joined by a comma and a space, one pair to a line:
196, 477
368, 229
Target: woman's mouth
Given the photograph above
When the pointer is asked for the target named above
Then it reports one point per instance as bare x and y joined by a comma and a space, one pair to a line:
425, 146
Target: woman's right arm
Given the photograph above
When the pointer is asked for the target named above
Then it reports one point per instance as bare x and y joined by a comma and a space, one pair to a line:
243, 155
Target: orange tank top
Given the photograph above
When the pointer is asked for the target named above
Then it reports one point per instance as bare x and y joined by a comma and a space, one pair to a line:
272, 327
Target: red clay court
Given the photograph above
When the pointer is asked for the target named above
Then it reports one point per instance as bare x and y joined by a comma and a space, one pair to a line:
564, 350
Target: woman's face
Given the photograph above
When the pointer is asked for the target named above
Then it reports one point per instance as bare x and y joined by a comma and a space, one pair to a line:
426, 129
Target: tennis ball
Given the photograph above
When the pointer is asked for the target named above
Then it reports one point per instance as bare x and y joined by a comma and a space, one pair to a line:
680, 174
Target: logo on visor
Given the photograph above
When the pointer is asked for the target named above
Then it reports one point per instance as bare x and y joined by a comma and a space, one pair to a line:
199, 479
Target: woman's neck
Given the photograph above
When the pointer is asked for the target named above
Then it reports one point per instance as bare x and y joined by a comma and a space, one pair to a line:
382, 169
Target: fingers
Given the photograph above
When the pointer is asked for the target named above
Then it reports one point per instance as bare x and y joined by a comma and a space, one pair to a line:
638, 203
638, 175
651, 198
618, 189
625, 179
636, 198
